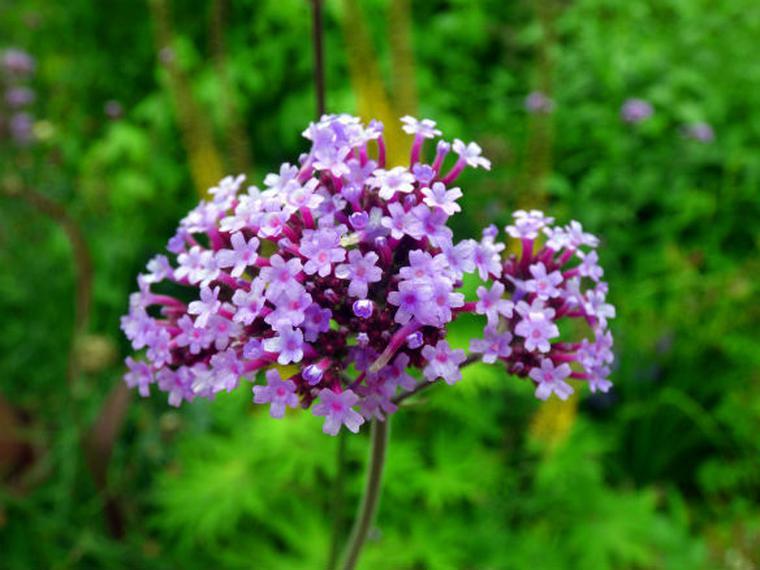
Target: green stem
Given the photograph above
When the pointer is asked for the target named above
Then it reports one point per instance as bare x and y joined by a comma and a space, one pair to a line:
337, 500
371, 496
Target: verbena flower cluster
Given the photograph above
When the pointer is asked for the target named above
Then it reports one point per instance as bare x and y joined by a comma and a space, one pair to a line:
339, 279
16, 68
636, 110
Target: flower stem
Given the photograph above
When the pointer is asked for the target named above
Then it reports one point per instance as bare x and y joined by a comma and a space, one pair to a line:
337, 500
371, 496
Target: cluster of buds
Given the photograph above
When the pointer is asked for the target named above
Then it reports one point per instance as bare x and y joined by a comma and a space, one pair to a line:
339, 280
16, 68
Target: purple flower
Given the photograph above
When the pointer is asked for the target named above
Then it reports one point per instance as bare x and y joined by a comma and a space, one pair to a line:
208, 305
443, 299
322, 249
138, 327
332, 159
278, 393
424, 128
281, 273
316, 320
337, 408
431, 224
439, 197
272, 221
397, 179
242, 254
193, 337
21, 127
284, 181
536, 326
253, 349
596, 306
18, 62
139, 376
636, 110
113, 109
492, 304
543, 285
460, 257
18, 97
443, 362
361, 270
470, 154
493, 345
577, 237
410, 300
177, 384
159, 269
290, 308
400, 222
700, 132
395, 374
539, 103
222, 330
589, 266
288, 345
423, 173
159, 352
343, 237
226, 371
597, 379
197, 265
249, 303
487, 258
551, 379
527, 224
376, 398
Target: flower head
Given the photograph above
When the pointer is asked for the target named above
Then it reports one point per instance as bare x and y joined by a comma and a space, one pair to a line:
342, 263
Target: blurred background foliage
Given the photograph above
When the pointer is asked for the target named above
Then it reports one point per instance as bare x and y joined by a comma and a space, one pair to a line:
140, 106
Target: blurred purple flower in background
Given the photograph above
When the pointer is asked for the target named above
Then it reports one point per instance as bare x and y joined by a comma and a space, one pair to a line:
636, 111
22, 128
18, 63
17, 67
700, 131
538, 102
17, 97
113, 109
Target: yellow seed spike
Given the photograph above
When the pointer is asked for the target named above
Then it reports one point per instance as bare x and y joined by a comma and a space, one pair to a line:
402, 57
553, 421
372, 99
206, 166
